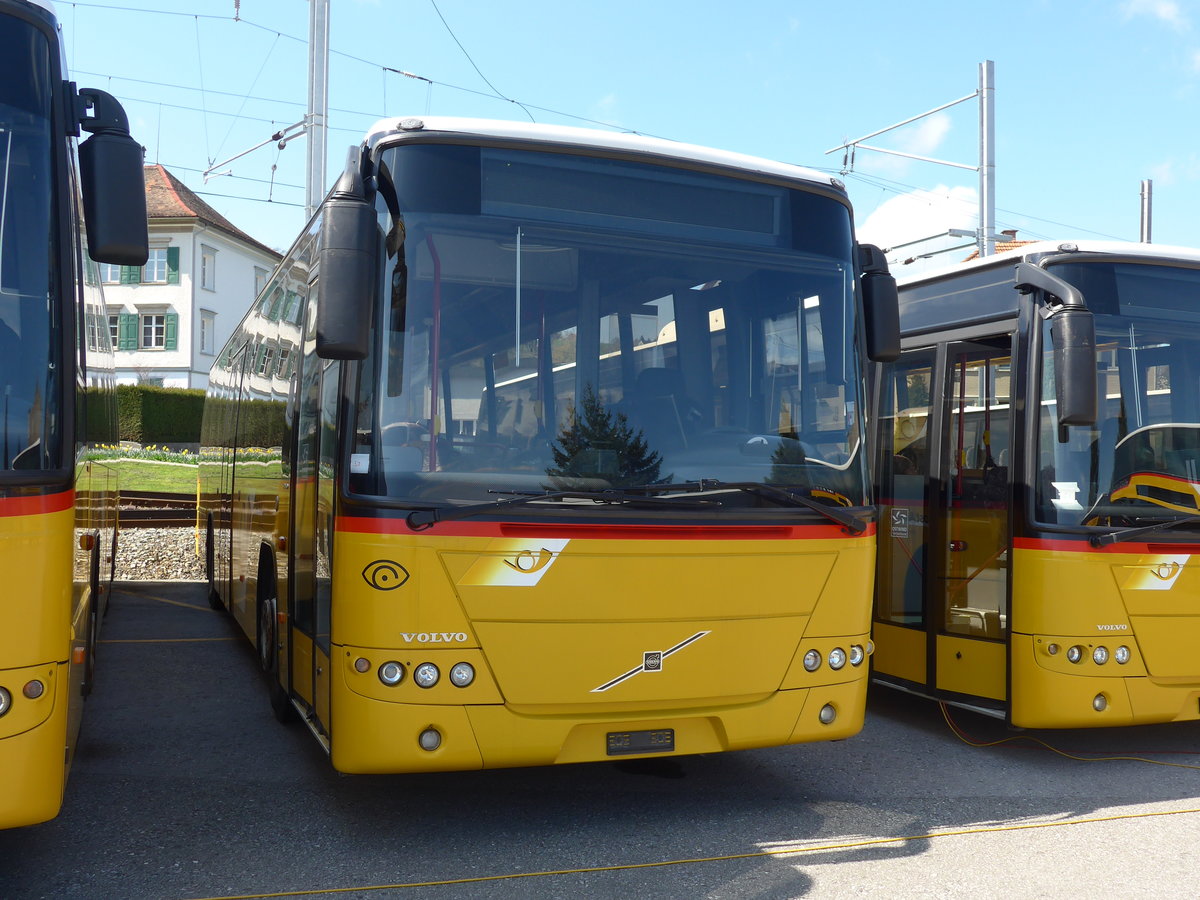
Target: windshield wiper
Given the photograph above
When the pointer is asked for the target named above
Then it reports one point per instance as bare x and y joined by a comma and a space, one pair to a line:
1128, 534
420, 519
784, 495
643, 494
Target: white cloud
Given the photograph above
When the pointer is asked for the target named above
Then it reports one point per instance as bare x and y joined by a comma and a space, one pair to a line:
925, 136
921, 138
606, 110
1167, 11
921, 214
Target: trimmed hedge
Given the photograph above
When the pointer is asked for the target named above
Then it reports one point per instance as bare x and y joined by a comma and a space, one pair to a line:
158, 415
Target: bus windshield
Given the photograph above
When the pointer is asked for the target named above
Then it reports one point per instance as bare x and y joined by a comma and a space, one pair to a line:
30, 394
556, 322
1141, 460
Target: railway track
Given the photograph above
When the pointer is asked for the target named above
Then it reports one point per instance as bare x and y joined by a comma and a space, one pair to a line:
150, 509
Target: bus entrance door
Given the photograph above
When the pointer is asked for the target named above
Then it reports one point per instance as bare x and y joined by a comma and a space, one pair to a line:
941, 607
971, 589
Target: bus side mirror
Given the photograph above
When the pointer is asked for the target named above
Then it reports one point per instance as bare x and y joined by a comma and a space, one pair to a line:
1073, 334
881, 305
347, 277
112, 182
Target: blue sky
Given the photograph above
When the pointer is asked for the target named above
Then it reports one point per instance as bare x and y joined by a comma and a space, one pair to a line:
1090, 98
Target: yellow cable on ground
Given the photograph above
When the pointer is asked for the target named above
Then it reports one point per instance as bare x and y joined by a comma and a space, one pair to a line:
591, 870
1024, 737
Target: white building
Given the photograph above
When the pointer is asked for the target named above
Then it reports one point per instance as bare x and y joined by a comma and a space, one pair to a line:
170, 317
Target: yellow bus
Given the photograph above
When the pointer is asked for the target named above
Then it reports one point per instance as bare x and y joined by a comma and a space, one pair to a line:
1037, 451
545, 445
58, 510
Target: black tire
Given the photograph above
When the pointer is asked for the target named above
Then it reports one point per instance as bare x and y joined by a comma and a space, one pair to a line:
210, 569
93, 629
267, 634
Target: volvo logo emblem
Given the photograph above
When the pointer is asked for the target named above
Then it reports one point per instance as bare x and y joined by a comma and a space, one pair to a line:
652, 661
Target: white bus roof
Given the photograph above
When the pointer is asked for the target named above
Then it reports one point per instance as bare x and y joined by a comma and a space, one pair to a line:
1126, 249
47, 5
594, 138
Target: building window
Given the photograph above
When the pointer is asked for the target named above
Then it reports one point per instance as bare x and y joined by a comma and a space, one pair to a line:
208, 332
110, 273
154, 331
114, 328
260, 279
208, 268
155, 270
162, 267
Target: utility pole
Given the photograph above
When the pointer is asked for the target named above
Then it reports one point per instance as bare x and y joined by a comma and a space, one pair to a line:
1147, 196
985, 236
318, 105
987, 159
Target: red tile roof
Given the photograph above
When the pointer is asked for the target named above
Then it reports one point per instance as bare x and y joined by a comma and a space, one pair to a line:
169, 198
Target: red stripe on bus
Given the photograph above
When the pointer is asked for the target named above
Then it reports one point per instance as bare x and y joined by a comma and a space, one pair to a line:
1081, 545
363, 525
38, 505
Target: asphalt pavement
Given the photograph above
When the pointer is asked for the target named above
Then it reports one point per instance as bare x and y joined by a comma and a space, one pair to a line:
185, 786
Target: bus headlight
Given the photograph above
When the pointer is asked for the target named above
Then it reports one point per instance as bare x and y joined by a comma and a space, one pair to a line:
1100, 656
391, 673
426, 675
857, 655
462, 674
812, 661
1075, 653
5, 701
837, 658
1121, 655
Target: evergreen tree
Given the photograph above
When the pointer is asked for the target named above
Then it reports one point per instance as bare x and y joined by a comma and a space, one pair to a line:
597, 444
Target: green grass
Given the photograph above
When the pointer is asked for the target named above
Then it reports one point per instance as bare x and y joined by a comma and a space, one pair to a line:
170, 472
147, 475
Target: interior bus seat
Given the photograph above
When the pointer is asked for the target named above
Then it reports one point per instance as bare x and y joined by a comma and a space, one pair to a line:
660, 408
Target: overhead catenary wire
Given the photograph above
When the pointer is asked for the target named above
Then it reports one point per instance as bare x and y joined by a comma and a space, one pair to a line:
495, 94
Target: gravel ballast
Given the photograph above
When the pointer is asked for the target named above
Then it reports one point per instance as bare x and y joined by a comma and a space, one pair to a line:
159, 554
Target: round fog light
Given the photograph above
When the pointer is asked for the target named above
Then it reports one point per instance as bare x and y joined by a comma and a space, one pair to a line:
1121, 655
426, 675
33, 689
1052, 649
1099, 703
430, 739
856, 655
391, 673
827, 714
837, 658
1075, 654
462, 674
1100, 656
362, 664
5, 701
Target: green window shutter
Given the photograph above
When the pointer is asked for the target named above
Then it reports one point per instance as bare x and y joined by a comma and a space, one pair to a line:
131, 274
171, 335
127, 331
172, 270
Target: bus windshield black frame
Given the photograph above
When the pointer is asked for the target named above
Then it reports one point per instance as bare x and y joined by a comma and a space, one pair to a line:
561, 321
30, 341
1141, 460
